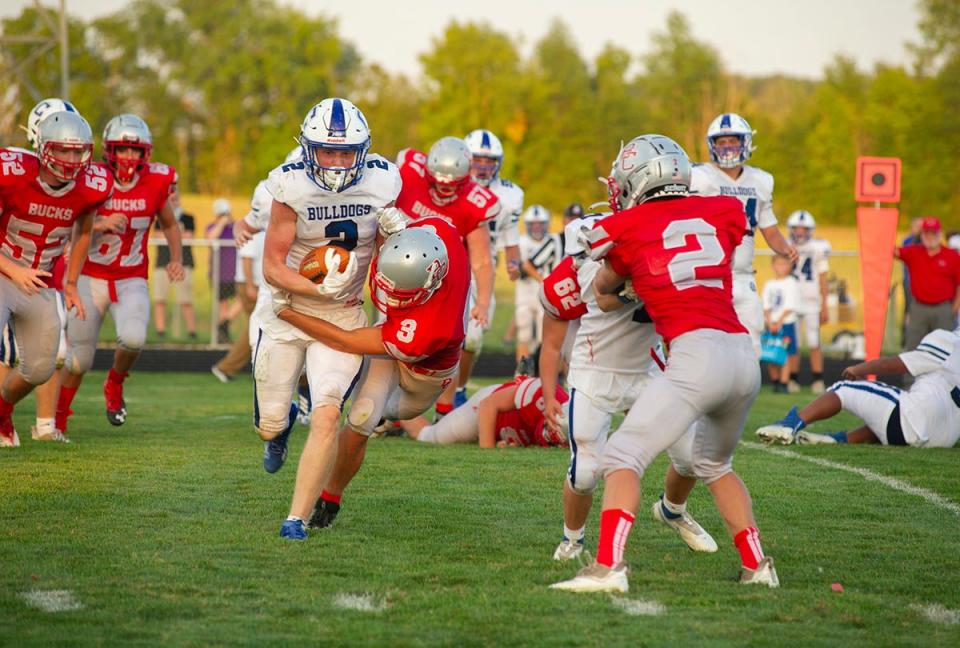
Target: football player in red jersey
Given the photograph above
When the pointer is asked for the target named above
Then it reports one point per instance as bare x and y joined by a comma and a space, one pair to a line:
677, 251
43, 199
438, 184
507, 415
114, 277
423, 276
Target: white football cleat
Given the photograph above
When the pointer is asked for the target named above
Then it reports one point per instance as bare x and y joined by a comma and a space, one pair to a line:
776, 433
687, 528
764, 574
597, 578
45, 433
9, 438
811, 438
568, 550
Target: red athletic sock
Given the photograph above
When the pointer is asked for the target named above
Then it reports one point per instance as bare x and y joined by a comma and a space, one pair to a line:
65, 399
443, 408
748, 544
615, 525
330, 497
113, 376
6, 408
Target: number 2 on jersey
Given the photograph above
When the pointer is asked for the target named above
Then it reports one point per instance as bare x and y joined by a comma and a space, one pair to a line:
343, 234
683, 267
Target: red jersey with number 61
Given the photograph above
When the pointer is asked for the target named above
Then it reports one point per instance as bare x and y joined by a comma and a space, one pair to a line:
474, 205
123, 254
560, 292
677, 252
525, 425
35, 221
429, 335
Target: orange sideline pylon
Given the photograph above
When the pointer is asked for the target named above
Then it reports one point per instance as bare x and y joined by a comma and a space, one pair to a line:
877, 227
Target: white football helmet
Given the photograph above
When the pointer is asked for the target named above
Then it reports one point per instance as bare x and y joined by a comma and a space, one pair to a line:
448, 169
803, 220
728, 157
64, 144
126, 131
536, 220
410, 267
43, 109
487, 152
334, 125
649, 166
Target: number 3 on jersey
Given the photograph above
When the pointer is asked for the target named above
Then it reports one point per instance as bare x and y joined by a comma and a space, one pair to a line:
683, 267
407, 328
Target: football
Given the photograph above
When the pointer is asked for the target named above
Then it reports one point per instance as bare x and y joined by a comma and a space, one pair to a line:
314, 264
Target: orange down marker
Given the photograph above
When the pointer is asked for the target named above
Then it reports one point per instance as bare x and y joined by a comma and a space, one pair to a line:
877, 227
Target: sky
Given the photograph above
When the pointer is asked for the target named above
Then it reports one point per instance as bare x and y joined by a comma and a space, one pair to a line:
759, 37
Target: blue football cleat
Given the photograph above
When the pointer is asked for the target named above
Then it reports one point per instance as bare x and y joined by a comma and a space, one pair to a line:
783, 431
275, 450
460, 397
293, 529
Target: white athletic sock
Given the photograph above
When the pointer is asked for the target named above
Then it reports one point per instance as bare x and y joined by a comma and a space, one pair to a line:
573, 535
676, 509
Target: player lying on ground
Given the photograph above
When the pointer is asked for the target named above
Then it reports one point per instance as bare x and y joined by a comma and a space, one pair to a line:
927, 415
423, 276
677, 250
607, 373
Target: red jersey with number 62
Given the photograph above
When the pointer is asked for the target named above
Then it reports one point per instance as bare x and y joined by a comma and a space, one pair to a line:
474, 205
35, 221
525, 425
560, 292
123, 254
429, 335
677, 252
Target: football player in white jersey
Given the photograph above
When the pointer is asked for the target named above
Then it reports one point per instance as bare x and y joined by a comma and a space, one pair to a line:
528, 313
730, 142
334, 195
487, 152
925, 416
811, 272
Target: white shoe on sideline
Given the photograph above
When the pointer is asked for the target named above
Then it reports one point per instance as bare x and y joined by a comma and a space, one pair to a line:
694, 535
597, 578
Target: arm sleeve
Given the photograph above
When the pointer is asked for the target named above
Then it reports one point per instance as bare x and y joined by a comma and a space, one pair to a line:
931, 354
526, 392
765, 216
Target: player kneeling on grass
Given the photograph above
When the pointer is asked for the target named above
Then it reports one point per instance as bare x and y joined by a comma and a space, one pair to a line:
502, 416
677, 251
927, 415
423, 275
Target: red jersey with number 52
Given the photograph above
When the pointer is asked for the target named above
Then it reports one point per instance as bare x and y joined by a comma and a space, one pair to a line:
677, 252
560, 292
474, 205
123, 254
35, 221
524, 425
429, 336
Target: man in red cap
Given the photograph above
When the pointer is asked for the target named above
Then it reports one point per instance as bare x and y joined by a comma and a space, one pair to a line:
934, 283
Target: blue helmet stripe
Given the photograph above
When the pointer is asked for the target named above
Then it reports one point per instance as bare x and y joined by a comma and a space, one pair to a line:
725, 121
338, 120
485, 140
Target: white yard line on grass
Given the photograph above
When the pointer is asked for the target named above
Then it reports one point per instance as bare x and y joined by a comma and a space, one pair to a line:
360, 602
638, 607
938, 614
52, 600
896, 484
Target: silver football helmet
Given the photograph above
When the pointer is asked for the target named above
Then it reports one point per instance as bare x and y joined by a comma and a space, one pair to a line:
410, 268
649, 166
448, 168
43, 109
487, 153
64, 144
126, 131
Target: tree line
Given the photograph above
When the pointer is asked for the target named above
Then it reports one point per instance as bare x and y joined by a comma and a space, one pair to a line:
224, 87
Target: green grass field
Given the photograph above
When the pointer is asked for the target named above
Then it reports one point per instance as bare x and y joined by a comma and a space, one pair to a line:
165, 532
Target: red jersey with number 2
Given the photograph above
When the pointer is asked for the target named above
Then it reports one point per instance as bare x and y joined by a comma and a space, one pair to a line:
677, 252
123, 254
560, 292
474, 205
429, 335
36, 222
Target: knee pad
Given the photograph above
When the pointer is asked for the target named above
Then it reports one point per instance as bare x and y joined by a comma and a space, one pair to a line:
37, 372
79, 358
473, 341
359, 418
584, 471
132, 337
272, 420
709, 471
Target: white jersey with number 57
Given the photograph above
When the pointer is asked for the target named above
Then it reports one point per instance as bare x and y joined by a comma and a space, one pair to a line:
347, 218
754, 188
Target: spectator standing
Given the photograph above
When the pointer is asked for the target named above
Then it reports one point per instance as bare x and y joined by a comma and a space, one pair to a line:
222, 229
248, 280
934, 283
913, 238
183, 290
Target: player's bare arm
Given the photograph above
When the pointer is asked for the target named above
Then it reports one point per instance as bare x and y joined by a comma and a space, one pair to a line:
881, 366
499, 401
171, 232
280, 235
609, 303
824, 292
531, 271
243, 232
27, 280
512, 254
607, 281
362, 341
778, 244
82, 231
113, 223
478, 248
554, 332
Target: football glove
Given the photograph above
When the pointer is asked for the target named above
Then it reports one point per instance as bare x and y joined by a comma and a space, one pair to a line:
335, 281
391, 220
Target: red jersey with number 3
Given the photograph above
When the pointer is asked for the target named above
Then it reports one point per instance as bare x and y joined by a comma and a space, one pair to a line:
123, 254
474, 205
560, 292
429, 336
525, 425
35, 221
677, 252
